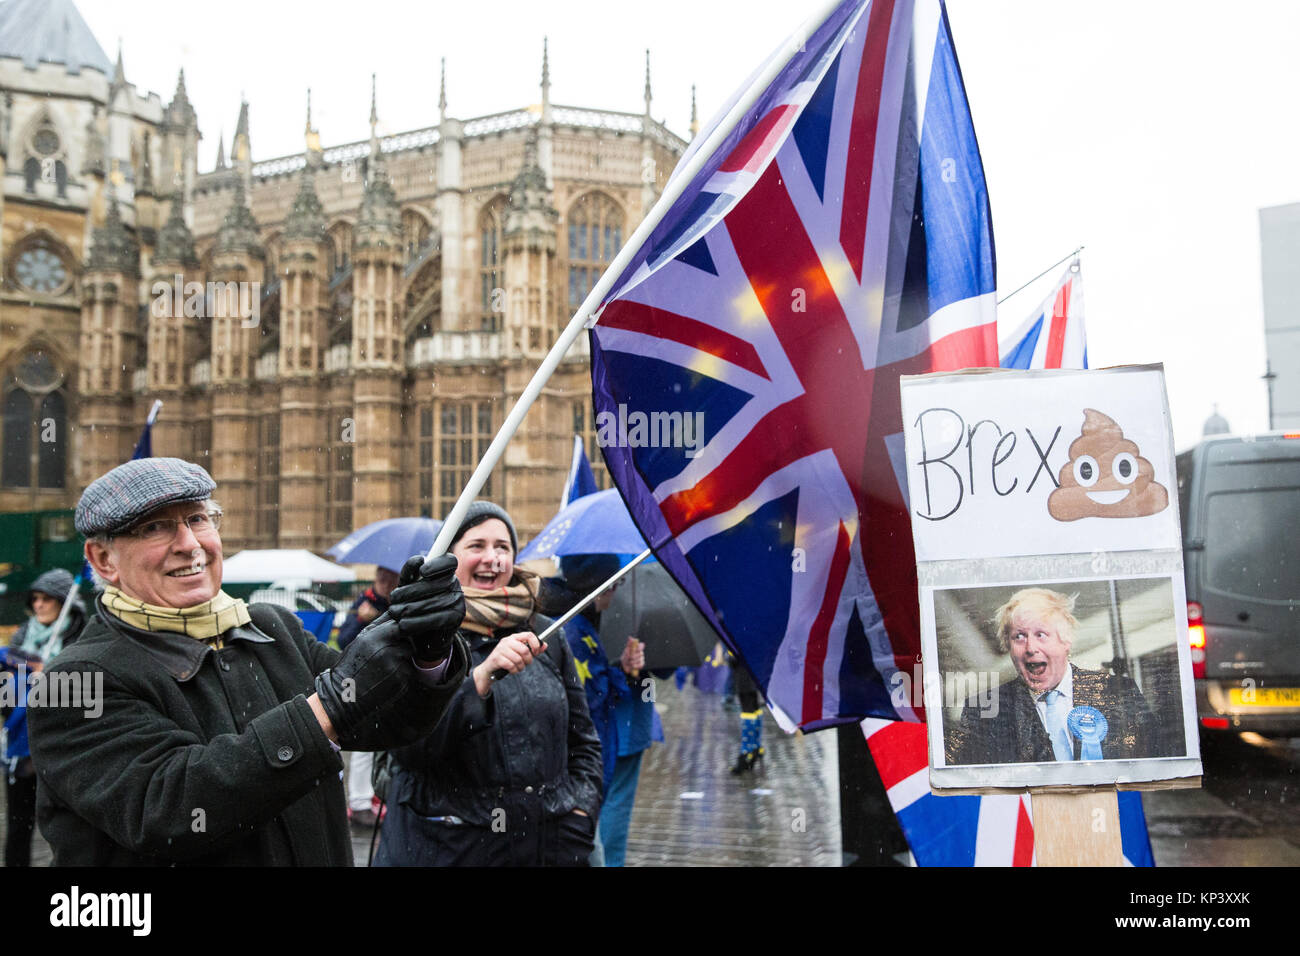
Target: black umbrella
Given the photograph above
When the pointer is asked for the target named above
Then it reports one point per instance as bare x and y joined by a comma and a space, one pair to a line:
654, 610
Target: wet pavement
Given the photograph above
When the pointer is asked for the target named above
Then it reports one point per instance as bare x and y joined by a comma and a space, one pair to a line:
1247, 814
692, 811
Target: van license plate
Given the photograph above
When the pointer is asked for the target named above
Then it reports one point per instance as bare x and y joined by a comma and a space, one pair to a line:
1265, 697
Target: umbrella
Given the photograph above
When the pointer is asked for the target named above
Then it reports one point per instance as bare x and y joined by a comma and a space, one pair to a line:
657, 612
274, 564
387, 543
593, 524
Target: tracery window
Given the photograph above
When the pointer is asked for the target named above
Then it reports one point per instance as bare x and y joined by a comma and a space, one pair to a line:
595, 236
491, 273
35, 425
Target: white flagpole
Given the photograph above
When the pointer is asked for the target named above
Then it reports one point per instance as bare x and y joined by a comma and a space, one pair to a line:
675, 187
61, 619
561, 621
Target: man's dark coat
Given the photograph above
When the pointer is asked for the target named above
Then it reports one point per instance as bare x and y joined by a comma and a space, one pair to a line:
1016, 734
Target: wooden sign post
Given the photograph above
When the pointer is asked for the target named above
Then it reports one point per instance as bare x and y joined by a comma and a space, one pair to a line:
1077, 829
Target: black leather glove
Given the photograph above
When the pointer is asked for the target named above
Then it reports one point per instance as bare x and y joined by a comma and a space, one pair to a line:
428, 605
374, 670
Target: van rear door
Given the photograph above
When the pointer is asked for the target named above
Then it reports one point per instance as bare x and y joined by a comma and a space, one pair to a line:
1250, 565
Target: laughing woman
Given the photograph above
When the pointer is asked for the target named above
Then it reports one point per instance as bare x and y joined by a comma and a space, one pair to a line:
512, 774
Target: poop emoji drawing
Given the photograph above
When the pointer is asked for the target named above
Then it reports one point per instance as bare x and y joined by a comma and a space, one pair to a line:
1106, 476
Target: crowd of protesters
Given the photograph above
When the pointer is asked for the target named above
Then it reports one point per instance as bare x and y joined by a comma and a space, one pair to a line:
223, 724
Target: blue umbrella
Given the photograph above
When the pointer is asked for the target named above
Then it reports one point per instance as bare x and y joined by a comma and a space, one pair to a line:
387, 543
593, 524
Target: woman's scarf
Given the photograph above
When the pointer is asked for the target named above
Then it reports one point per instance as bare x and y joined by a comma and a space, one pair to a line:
203, 621
500, 608
35, 637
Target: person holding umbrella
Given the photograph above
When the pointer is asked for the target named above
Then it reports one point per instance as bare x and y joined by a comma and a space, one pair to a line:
512, 774
621, 708
37, 640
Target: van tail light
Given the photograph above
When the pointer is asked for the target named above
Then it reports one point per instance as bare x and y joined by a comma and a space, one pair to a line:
1196, 637
1214, 723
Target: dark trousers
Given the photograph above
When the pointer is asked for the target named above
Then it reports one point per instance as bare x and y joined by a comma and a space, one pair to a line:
20, 799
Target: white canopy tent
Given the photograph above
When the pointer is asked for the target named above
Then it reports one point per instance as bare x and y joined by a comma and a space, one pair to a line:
250, 567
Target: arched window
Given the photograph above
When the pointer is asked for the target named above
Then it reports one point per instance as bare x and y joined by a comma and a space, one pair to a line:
35, 423
416, 233
595, 237
46, 157
340, 235
18, 439
491, 223
271, 266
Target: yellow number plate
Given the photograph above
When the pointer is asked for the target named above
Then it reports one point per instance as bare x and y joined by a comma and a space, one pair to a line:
1265, 697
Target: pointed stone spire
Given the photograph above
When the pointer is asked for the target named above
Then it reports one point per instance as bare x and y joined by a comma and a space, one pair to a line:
529, 192
175, 241
306, 217
647, 81
242, 150
112, 248
374, 120
221, 150
442, 91
695, 120
238, 233
546, 75
379, 209
119, 71
181, 112
314, 154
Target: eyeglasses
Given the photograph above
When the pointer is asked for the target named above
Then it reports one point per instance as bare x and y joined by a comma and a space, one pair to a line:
164, 529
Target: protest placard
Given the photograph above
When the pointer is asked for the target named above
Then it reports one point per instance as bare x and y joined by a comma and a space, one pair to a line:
1053, 609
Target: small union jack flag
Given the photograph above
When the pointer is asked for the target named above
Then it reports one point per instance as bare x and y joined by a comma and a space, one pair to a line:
1053, 336
838, 238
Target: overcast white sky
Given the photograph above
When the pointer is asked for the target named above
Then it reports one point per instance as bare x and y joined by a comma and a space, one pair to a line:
1149, 132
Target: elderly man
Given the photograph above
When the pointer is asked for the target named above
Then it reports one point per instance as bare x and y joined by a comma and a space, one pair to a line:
220, 729
1055, 710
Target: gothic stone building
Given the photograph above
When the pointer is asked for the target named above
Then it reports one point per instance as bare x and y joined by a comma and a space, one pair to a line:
336, 335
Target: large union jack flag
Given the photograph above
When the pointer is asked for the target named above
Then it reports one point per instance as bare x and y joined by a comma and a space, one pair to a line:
838, 238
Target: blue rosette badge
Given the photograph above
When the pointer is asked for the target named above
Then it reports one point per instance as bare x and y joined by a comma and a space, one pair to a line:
1089, 725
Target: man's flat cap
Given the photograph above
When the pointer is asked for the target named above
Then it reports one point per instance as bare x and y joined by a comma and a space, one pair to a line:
116, 500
